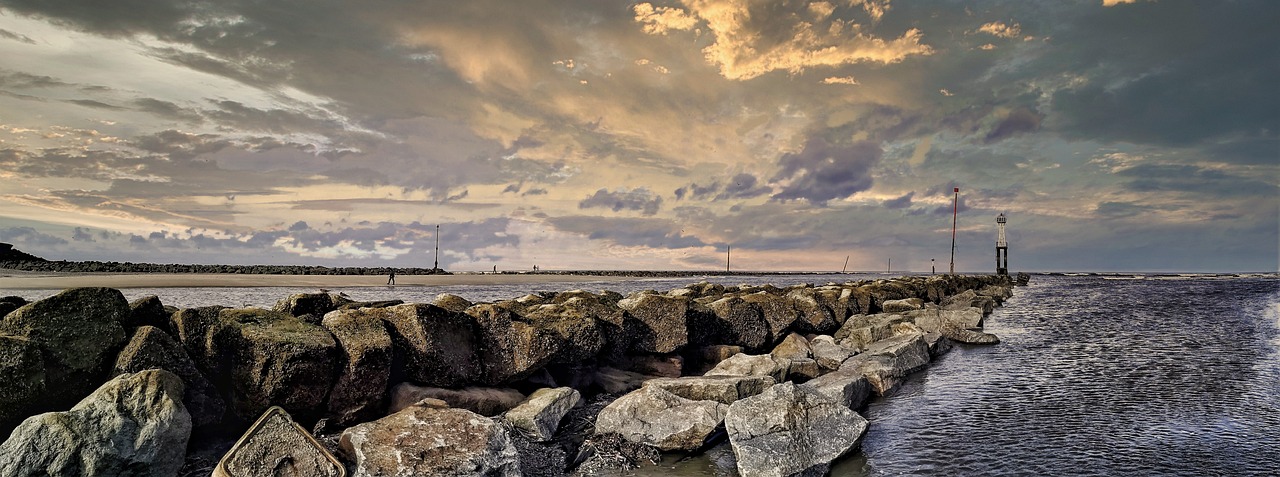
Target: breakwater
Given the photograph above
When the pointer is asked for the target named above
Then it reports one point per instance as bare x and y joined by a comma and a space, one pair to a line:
543, 384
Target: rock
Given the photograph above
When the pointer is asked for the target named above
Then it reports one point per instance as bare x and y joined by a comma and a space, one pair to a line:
364, 369
192, 328
777, 312
887, 361
721, 389
356, 305
1022, 279
134, 424
452, 302
815, 310
751, 365
432, 345
665, 365
147, 311
702, 359
862, 330
899, 306
511, 346
954, 324
608, 318
310, 303
969, 298
276, 445
427, 441
655, 416
540, 414
938, 344
78, 333
732, 321
616, 381
10, 303
480, 400
22, 381
576, 327
656, 323
791, 347
845, 385
827, 353
152, 348
791, 430
802, 369
271, 358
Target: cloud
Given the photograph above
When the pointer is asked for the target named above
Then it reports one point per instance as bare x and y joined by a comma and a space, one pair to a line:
840, 80
641, 200
29, 236
900, 202
634, 232
755, 38
743, 186
1018, 121
16, 37
823, 172
1001, 30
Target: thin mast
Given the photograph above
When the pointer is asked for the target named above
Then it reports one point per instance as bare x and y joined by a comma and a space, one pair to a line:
955, 210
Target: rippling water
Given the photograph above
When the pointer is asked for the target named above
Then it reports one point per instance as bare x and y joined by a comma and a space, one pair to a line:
1094, 376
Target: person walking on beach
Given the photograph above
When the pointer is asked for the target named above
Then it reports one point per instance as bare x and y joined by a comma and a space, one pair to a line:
391, 280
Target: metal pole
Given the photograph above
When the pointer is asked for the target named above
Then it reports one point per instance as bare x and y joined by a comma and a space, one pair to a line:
728, 249
955, 210
437, 264
846, 264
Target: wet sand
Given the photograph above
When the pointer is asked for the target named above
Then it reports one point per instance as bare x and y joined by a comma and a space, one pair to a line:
11, 279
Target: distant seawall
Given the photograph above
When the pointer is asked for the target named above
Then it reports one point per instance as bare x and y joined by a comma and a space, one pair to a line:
555, 381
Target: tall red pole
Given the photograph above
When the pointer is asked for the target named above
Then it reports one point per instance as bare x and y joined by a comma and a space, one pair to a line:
955, 209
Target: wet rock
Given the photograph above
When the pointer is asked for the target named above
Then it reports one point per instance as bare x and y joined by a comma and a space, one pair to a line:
364, 368
511, 346
777, 312
78, 333
480, 400
10, 303
656, 323
815, 308
276, 445
655, 416
541, 413
969, 298
271, 358
152, 348
575, 325
310, 303
432, 345
607, 317
791, 430
427, 441
792, 347
751, 365
721, 389
1022, 279
134, 424
899, 306
147, 311
192, 328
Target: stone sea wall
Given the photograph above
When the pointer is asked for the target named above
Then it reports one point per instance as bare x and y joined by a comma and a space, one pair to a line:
545, 384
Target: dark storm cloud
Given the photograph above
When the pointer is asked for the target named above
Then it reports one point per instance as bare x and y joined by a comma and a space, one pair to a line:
640, 200
822, 172
1195, 180
166, 109
1018, 121
900, 202
180, 145
636, 232
743, 186
82, 235
274, 120
1115, 210
29, 236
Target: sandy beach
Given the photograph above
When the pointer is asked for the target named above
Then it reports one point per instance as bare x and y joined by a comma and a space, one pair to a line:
12, 279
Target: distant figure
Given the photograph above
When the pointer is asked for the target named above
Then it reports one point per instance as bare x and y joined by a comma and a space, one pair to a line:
391, 280
495, 269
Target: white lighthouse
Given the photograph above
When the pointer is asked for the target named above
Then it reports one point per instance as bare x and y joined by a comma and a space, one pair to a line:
1002, 247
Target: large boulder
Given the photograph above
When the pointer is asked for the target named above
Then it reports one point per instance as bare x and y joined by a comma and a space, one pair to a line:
152, 348
10, 303
314, 304
193, 328
540, 414
815, 309
652, 415
423, 440
845, 385
432, 345
277, 443
511, 345
888, 361
77, 333
272, 358
656, 323
452, 302
702, 359
777, 311
751, 365
827, 353
721, 389
134, 424
575, 324
147, 311
365, 356
731, 321
793, 346
862, 330
791, 430
954, 324
480, 400
22, 381
902, 305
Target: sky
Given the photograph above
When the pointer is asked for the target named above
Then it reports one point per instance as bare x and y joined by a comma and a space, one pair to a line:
1115, 135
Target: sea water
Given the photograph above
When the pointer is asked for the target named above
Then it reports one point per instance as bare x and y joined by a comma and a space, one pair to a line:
1095, 375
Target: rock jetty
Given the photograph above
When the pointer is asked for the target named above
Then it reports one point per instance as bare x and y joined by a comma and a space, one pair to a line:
574, 382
